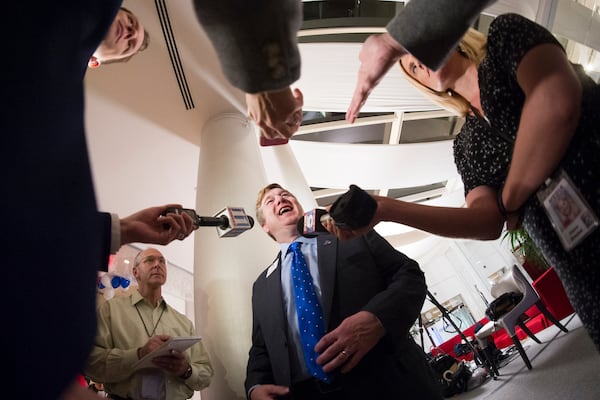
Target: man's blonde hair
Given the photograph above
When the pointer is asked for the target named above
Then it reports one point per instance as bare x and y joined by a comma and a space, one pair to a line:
261, 194
144, 45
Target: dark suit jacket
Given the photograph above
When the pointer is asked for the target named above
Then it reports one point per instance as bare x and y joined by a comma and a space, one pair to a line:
365, 273
53, 235
255, 40
431, 29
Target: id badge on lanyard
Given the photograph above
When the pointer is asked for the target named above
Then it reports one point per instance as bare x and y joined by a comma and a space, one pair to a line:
569, 213
151, 385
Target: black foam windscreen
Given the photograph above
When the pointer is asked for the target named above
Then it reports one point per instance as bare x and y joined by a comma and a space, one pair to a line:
354, 209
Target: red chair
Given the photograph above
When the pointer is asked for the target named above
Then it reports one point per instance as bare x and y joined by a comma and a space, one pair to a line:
553, 294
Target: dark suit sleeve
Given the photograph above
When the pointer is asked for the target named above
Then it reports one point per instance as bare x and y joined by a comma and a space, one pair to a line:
431, 29
105, 227
254, 40
399, 304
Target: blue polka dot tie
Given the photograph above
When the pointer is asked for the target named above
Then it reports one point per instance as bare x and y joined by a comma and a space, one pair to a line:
308, 308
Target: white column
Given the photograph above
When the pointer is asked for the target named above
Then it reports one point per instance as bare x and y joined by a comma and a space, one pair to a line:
281, 166
231, 172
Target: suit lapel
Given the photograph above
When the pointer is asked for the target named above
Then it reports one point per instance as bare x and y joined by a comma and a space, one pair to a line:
274, 322
272, 298
326, 250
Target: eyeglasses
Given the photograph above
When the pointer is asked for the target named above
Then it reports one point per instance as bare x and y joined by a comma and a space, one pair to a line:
150, 260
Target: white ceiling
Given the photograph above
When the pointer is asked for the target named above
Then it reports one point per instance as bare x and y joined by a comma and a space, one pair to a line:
144, 143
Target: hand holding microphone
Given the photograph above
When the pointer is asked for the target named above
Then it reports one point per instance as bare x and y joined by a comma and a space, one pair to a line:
349, 216
148, 226
354, 209
230, 221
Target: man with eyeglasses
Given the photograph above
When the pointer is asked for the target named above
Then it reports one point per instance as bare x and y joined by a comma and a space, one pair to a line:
132, 326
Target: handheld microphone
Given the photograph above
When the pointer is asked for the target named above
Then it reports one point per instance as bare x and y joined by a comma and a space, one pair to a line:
354, 209
230, 221
311, 223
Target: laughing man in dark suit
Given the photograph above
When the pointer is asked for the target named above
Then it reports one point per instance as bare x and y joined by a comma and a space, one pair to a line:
370, 295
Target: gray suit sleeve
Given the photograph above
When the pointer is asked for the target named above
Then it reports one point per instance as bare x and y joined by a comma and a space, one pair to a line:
255, 40
431, 29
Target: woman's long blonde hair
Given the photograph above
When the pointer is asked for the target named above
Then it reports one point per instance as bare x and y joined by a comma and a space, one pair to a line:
472, 46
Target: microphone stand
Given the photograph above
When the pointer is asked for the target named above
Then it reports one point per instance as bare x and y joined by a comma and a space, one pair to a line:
421, 333
446, 315
421, 328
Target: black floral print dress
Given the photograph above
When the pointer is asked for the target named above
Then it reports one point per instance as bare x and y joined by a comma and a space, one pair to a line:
483, 157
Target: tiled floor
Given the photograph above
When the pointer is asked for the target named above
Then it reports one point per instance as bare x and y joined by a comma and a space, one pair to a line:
566, 366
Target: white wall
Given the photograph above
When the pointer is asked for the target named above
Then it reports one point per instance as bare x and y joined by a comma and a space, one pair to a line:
463, 267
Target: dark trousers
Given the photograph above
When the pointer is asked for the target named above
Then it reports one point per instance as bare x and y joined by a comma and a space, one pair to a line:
313, 389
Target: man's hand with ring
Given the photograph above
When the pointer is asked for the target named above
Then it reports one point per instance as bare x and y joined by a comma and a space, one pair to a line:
346, 345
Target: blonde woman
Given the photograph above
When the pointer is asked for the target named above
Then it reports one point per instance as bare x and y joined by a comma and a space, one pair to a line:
528, 112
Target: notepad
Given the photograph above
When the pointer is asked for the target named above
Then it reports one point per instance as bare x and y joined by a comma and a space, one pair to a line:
175, 343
